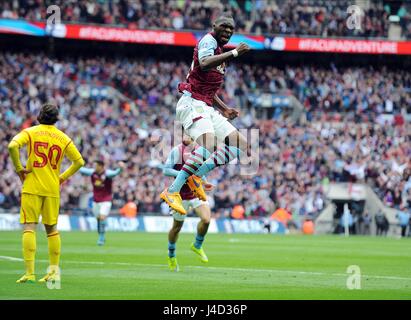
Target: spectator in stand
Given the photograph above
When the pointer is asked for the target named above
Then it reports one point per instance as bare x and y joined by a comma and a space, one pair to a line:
238, 212
347, 219
382, 223
365, 223
129, 210
403, 219
409, 225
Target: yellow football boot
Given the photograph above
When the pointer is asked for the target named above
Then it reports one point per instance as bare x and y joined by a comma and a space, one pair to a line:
51, 276
200, 252
27, 279
173, 200
172, 264
196, 185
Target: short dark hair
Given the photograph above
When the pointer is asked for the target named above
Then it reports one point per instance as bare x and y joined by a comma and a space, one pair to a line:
49, 114
100, 162
223, 16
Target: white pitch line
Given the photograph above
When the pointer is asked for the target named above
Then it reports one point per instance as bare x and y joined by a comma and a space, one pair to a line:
14, 259
11, 258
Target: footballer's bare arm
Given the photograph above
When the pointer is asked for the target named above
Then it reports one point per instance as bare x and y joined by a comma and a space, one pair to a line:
213, 61
225, 110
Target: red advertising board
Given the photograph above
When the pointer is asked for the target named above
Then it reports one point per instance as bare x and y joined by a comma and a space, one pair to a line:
339, 45
185, 38
103, 33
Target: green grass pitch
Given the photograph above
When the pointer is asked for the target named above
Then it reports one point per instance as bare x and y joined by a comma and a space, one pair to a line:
242, 266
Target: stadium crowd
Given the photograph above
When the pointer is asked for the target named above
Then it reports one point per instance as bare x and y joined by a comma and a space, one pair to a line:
296, 161
290, 17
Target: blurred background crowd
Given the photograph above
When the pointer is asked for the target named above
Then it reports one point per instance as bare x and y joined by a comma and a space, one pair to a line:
345, 136
288, 17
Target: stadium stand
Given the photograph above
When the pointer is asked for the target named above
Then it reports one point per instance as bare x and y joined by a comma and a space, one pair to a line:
288, 17
325, 109
356, 130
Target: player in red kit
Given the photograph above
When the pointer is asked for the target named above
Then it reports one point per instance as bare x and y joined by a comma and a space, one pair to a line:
102, 181
200, 120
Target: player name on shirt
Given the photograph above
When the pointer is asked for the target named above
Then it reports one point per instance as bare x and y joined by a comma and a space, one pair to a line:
53, 135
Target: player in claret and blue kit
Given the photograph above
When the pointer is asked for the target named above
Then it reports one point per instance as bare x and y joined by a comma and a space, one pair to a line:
102, 181
175, 161
200, 120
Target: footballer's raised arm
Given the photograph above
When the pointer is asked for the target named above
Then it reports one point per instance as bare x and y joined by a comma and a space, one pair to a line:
206, 56
86, 171
113, 173
211, 61
172, 159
